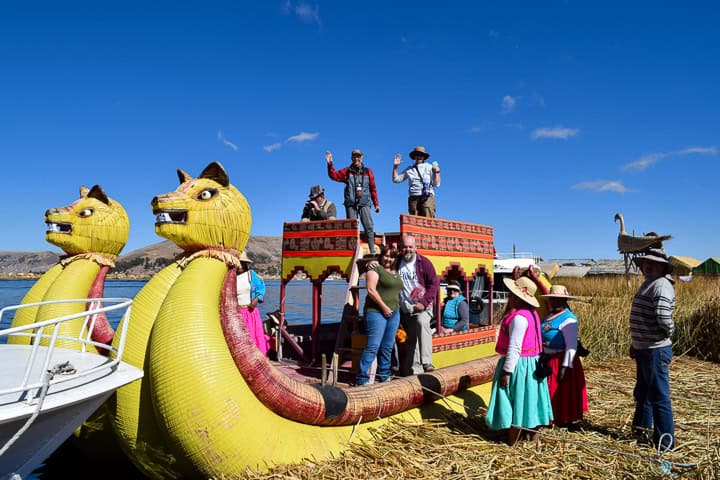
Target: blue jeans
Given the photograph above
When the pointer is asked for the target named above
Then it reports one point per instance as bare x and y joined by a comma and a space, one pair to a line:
652, 394
363, 211
381, 333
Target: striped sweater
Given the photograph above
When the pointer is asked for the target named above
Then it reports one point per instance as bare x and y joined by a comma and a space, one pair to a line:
651, 323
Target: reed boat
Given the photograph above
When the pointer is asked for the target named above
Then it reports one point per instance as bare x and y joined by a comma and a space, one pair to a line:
211, 404
50, 383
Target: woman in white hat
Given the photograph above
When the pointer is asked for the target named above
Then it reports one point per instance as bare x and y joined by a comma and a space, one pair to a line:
519, 398
250, 293
566, 382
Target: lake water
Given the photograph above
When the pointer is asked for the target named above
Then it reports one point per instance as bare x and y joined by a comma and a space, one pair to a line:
298, 303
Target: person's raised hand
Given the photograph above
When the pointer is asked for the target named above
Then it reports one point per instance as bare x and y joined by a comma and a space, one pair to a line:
328, 157
397, 160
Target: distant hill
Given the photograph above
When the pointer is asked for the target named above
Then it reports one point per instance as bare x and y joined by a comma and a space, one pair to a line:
264, 251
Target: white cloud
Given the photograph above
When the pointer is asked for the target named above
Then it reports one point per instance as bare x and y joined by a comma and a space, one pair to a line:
602, 186
300, 137
556, 132
270, 148
303, 137
226, 141
650, 159
508, 104
306, 12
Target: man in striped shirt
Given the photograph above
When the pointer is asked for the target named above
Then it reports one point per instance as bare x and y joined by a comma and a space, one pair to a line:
651, 330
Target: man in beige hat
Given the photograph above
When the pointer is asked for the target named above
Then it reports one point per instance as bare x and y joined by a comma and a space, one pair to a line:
651, 330
422, 179
360, 192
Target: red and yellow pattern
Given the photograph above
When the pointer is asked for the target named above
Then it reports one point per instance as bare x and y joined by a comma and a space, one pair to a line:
319, 248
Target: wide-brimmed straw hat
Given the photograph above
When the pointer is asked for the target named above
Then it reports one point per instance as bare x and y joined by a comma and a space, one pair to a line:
419, 151
559, 291
654, 255
244, 258
524, 289
453, 285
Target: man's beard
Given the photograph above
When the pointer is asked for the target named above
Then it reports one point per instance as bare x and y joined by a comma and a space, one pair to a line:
408, 257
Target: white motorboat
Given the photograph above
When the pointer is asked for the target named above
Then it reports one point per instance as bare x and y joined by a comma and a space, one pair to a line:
48, 390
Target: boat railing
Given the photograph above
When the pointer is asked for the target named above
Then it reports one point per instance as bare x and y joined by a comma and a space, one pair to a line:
44, 337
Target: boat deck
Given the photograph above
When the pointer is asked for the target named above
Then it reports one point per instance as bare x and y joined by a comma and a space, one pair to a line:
67, 388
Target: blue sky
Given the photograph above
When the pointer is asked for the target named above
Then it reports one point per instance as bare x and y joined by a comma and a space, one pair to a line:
546, 118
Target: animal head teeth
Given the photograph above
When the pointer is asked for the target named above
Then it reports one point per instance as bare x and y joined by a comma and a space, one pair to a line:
163, 217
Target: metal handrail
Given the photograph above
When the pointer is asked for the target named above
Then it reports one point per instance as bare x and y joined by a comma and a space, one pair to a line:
84, 339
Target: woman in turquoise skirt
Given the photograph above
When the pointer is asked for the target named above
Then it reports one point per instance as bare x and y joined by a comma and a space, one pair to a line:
519, 398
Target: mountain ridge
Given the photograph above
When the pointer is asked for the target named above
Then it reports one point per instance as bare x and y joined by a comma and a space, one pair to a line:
264, 251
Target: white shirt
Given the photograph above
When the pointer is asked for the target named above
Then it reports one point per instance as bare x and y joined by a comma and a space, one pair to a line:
408, 275
243, 288
517, 328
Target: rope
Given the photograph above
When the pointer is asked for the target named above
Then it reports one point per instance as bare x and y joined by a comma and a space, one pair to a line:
64, 368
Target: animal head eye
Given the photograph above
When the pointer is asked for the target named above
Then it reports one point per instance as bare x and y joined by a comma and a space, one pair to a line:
86, 212
207, 193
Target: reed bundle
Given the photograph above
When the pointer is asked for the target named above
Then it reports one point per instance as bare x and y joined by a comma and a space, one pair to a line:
456, 447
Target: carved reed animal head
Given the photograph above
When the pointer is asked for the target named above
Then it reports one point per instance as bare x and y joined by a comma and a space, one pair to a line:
94, 223
204, 212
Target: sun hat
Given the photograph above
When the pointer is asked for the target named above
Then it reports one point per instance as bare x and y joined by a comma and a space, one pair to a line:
316, 191
357, 151
453, 285
419, 151
559, 291
244, 257
654, 255
523, 288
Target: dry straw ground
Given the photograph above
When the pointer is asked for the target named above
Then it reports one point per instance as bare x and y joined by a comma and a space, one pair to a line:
456, 447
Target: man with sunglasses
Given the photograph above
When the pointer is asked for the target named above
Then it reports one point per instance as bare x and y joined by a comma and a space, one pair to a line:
360, 192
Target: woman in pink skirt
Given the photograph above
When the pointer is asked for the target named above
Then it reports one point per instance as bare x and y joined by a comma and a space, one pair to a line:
250, 292
568, 392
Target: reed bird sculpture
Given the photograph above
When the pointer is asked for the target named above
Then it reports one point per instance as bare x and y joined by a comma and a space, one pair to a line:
630, 245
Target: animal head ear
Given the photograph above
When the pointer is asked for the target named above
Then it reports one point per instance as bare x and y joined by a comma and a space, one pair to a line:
83, 191
216, 172
98, 193
182, 176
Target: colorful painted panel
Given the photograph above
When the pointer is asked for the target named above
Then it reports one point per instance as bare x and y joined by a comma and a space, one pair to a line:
447, 242
317, 248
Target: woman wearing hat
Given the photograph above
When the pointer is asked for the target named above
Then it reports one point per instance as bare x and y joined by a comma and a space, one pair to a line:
651, 331
566, 381
422, 179
251, 292
456, 312
519, 399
